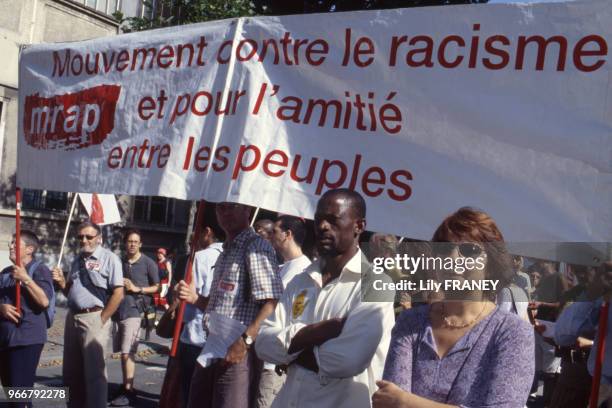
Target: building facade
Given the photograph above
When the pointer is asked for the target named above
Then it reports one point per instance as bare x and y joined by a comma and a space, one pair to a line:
163, 221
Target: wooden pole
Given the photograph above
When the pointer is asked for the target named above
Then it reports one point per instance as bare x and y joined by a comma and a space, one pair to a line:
254, 216
188, 277
61, 254
601, 349
18, 245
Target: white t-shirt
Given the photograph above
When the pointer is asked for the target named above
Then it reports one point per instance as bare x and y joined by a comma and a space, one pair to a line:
291, 268
287, 272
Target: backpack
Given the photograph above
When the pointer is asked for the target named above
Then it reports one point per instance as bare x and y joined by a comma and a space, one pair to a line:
50, 310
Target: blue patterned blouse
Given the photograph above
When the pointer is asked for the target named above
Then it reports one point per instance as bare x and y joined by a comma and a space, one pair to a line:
492, 365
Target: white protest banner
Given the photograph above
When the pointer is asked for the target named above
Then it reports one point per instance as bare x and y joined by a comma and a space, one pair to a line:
422, 110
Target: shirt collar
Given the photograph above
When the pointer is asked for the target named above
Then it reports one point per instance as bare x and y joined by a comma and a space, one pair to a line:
127, 260
352, 268
96, 254
9, 269
218, 245
239, 239
294, 261
354, 264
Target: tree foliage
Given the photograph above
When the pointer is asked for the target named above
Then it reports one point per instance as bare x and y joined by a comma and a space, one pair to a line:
322, 6
165, 13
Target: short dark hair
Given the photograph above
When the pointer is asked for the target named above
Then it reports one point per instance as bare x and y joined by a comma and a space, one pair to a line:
358, 204
264, 222
131, 231
295, 225
30, 239
209, 220
89, 224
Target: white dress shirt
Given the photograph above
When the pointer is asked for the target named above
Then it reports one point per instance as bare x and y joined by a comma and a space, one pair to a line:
349, 364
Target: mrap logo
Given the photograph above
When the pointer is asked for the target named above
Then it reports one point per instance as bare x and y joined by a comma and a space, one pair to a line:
70, 121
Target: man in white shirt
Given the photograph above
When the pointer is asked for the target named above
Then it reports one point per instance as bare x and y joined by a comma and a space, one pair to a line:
288, 236
287, 239
333, 343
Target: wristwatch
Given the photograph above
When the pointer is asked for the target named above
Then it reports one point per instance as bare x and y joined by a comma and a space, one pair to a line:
26, 282
248, 340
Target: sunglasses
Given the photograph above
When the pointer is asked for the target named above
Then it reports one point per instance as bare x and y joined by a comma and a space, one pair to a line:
87, 237
466, 249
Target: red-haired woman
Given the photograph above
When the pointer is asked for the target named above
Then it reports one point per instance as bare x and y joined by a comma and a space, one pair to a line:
462, 351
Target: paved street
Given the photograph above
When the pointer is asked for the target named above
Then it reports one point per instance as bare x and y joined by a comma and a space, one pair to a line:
150, 366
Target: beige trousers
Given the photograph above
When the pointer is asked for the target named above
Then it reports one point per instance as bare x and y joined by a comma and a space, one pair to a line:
270, 384
84, 370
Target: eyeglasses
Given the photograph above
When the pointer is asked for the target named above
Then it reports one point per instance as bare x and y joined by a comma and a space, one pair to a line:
87, 237
466, 249
14, 244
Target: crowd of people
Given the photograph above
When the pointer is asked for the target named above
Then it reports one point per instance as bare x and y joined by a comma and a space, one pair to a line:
267, 326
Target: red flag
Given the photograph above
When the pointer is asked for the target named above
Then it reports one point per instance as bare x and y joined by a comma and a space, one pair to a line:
97, 212
102, 208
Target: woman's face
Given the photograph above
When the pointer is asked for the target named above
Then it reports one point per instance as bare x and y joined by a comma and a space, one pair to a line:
461, 262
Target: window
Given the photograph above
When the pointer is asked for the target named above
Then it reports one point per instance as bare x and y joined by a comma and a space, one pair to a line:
105, 6
152, 210
112, 6
158, 210
140, 209
43, 200
161, 211
101, 6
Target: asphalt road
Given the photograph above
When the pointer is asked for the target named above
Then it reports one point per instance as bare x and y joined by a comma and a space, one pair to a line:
150, 366
148, 381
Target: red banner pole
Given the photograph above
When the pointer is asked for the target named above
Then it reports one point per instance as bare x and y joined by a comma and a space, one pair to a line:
18, 245
188, 276
601, 348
